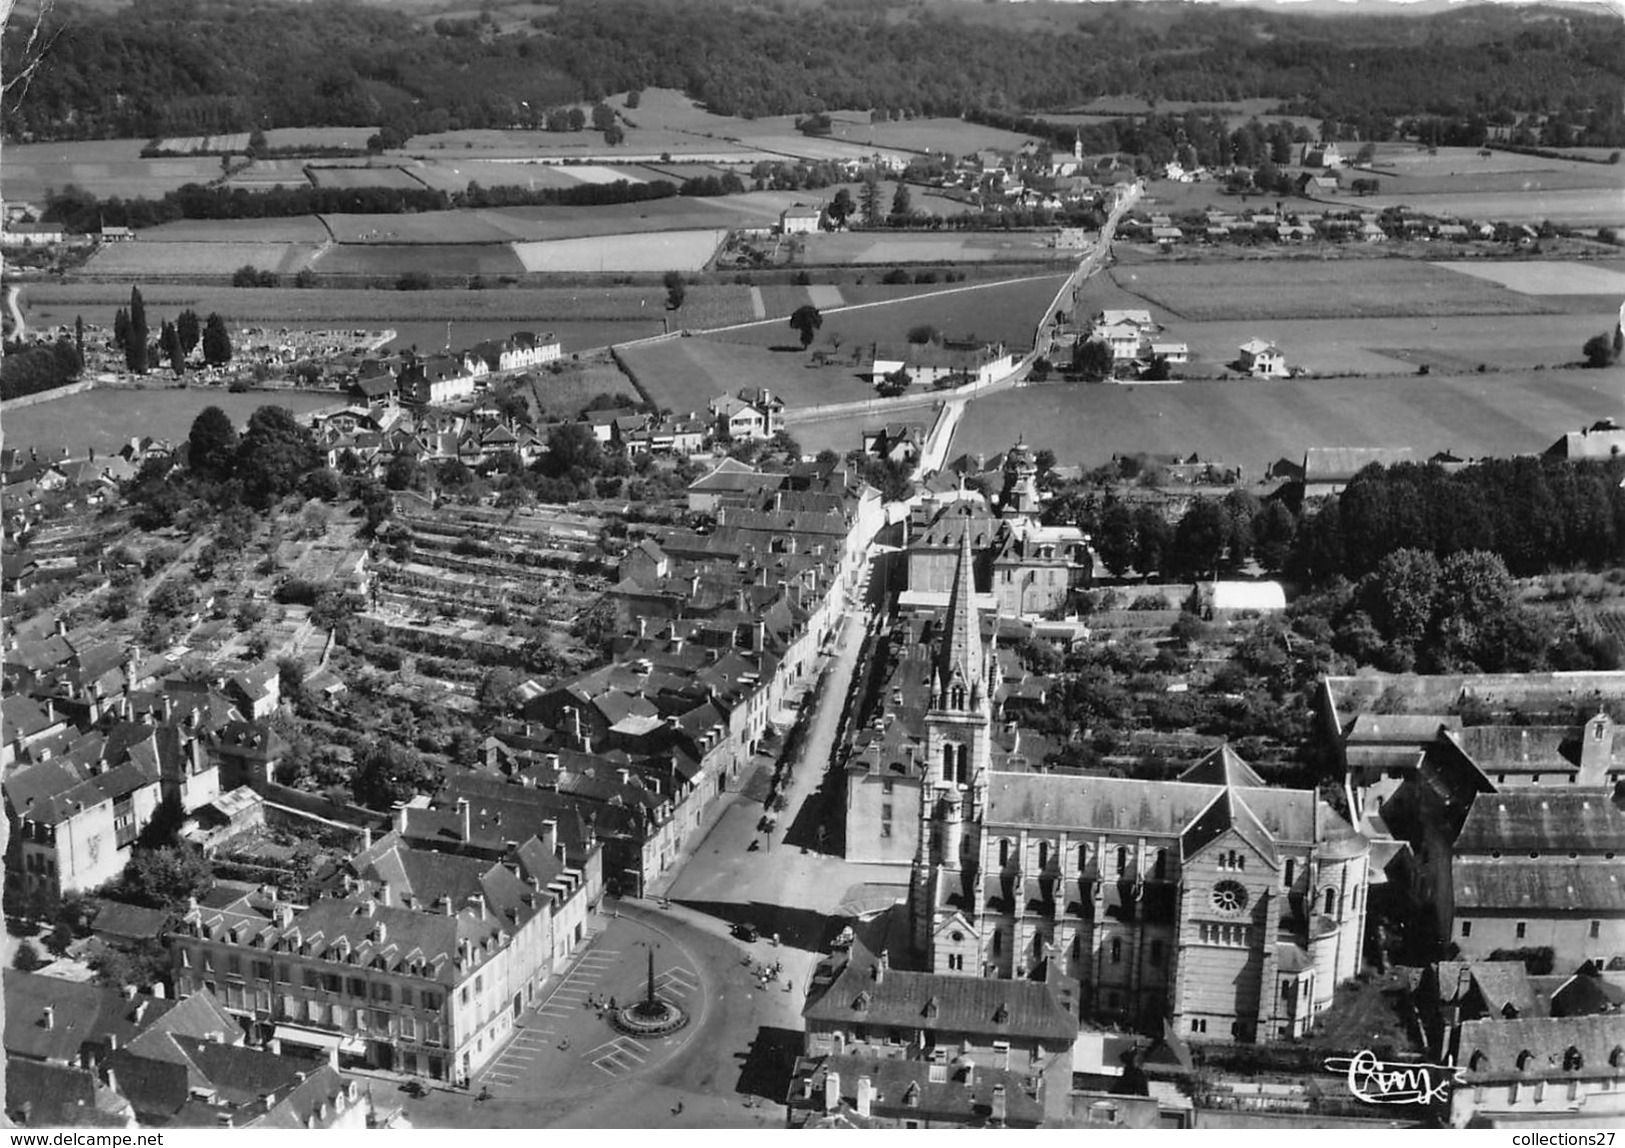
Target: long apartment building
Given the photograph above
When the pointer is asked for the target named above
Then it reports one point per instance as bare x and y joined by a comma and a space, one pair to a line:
420, 962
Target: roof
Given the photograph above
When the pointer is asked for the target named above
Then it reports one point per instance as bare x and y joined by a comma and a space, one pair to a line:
80, 1014
1536, 1048
904, 1089
1409, 730
1248, 596
135, 922
983, 1006
1542, 820
1538, 887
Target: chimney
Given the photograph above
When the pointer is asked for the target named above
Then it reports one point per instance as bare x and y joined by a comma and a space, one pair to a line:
400, 817
1596, 750
643, 626
879, 970
998, 1104
156, 990
274, 1046
464, 819
832, 1091
758, 637
476, 901
166, 707
140, 1009
741, 601
366, 838
128, 992
866, 1095
61, 628
550, 835
112, 1042
48, 1020
112, 1082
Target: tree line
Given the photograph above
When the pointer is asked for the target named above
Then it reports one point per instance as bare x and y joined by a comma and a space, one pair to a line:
124, 73
81, 210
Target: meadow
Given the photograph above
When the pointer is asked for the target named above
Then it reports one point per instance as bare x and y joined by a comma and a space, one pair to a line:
1315, 289
686, 374
651, 251
104, 167
1005, 312
366, 175
1253, 423
1542, 277
182, 257
864, 248
956, 137
106, 418
293, 229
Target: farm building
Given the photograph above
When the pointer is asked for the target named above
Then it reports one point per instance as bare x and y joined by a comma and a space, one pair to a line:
1173, 352
929, 364
1602, 439
1262, 359
1328, 469
799, 219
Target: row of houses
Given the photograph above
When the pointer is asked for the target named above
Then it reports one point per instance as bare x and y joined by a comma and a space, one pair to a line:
448, 377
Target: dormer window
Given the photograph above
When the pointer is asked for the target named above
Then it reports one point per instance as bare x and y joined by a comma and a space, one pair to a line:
861, 1002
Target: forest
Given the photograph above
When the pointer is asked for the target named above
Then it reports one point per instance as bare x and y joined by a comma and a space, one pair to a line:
129, 71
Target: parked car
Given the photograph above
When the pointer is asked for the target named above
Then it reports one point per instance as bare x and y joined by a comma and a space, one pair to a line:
746, 931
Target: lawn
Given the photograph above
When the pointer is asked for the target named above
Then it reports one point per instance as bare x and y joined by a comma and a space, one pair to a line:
999, 312
686, 374
107, 418
1254, 423
1312, 289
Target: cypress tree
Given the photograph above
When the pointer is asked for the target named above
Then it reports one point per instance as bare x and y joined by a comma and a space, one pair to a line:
121, 328
187, 327
135, 344
216, 341
171, 344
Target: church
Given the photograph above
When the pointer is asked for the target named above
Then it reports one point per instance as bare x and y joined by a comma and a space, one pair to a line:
1215, 903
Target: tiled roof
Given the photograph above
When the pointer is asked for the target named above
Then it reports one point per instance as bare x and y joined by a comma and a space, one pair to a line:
1542, 820
905, 1090
1538, 887
117, 919
1539, 1048
983, 1006
81, 1014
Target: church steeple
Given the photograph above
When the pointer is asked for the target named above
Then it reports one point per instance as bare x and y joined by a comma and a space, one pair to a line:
959, 659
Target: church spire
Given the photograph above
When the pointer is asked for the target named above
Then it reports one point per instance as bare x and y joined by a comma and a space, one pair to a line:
960, 657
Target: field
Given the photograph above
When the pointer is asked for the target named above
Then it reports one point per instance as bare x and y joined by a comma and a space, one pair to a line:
1539, 277
858, 248
654, 251
580, 317
956, 137
104, 167
1450, 343
294, 229
497, 225
193, 258
1315, 289
1001, 312
106, 419
318, 137
264, 173
1586, 207
393, 260
235, 142
685, 374
1253, 423
367, 176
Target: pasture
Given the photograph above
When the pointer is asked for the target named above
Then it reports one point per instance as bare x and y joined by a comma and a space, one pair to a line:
365, 175
390, 260
103, 167
185, 257
686, 374
1252, 423
1541, 277
1577, 207
868, 248
1450, 343
293, 229
956, 137
1004, 313
651, 251
318, 137
1316, 289
106, 418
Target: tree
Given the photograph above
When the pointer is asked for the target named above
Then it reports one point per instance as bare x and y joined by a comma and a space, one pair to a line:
27, 958
840, 208
1401, 598
171, 344
1200, 537
1599, 351
676, 290
387, 774
603, 117
573, 446
923, 333
806, 320
1366, 154
167, 876
216, 341
213, 443
1152, 538
871, 201
634, 98
1115, 538
1092, 358
577, 119
275, 453
614, 136
901, 204
121, 328
135, 340
189, 330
